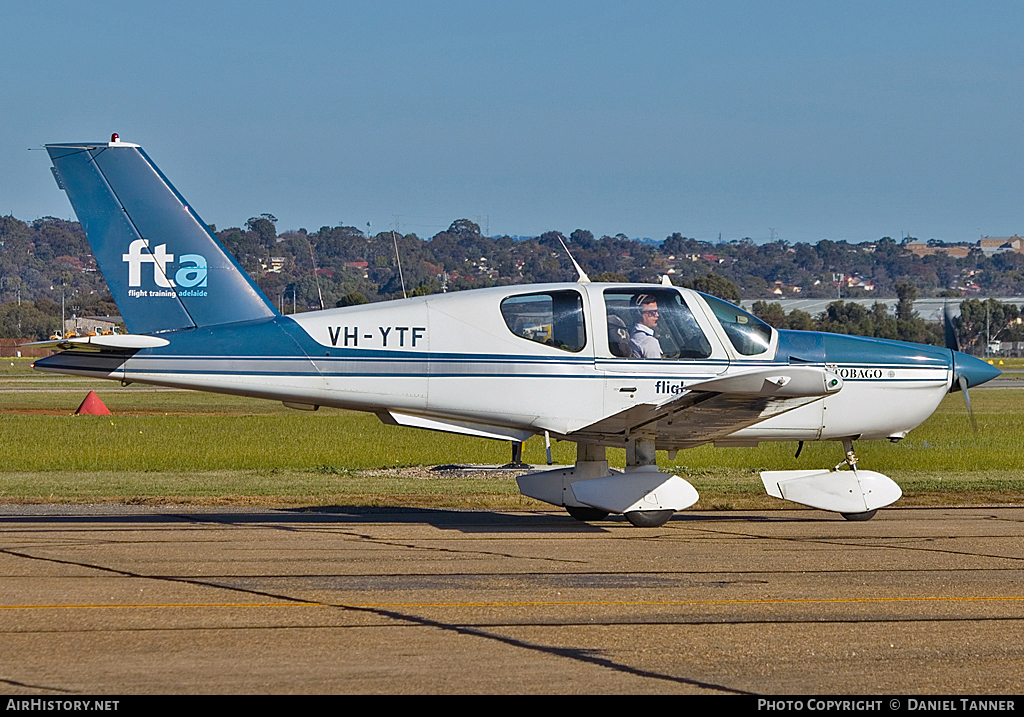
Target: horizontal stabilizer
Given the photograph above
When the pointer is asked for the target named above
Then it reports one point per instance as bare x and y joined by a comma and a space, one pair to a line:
110, 342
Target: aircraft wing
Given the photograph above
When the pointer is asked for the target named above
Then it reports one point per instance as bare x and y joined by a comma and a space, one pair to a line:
711, 410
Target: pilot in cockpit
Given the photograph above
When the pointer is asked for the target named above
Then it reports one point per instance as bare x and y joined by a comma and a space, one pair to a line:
642, 343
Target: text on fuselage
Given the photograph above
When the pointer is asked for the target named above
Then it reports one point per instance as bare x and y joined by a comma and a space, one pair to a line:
673, 387
849, 372
388, 336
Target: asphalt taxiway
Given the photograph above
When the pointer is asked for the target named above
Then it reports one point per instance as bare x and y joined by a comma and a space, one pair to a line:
135, 599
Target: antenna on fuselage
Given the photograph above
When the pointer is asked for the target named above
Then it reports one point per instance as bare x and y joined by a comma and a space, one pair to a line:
398, 258
584, 279
316, 275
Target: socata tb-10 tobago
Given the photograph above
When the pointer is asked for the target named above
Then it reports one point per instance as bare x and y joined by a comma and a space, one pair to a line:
644, 367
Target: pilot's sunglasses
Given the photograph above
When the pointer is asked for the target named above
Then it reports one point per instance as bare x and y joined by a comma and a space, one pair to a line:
650, 312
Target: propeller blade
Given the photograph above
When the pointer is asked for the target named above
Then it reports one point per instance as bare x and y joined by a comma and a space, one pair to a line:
951, 340
967, 400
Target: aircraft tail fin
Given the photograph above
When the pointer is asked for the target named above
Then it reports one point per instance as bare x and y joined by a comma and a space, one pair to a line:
164, 267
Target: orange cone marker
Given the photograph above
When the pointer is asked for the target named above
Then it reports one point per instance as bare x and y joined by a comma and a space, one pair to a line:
92, 406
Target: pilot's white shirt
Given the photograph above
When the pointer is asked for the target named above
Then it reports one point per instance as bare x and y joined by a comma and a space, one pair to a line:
643, 344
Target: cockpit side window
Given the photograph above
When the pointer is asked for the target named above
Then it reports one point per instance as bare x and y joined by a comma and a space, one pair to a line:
552, 318
653, 324
747, 333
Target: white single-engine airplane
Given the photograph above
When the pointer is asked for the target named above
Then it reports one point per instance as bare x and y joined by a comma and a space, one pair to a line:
643, 367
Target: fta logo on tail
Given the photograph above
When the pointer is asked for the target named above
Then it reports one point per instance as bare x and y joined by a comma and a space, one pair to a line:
192, 271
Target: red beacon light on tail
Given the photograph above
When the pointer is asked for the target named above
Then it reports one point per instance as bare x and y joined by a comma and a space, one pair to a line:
116, 141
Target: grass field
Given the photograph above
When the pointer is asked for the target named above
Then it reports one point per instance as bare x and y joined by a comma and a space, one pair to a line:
180, 446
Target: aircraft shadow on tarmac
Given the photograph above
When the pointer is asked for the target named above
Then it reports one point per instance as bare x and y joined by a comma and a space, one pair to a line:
468, 521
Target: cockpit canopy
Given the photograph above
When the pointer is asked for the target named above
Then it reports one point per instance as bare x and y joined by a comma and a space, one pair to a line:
642, 322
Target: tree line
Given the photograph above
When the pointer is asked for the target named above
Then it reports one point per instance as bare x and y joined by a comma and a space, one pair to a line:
979, 322
47, 263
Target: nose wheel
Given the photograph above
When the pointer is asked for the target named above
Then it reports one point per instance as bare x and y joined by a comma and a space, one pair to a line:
851, 460
649, 518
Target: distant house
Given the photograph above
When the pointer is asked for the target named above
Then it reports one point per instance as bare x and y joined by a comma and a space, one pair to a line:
83, 325
358, 266
781, 288
858, 282
995, 245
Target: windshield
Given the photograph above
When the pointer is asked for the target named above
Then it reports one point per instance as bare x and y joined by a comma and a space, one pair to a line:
749, 335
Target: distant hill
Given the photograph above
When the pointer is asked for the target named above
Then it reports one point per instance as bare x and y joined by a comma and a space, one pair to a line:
48, 259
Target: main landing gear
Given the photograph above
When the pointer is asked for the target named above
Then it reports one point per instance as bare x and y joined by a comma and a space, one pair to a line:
590, 491
649, 518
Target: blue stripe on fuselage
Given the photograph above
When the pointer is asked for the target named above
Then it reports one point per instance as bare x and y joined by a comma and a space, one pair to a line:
279, 346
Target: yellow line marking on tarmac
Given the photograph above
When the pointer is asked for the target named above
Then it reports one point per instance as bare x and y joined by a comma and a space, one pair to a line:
158, 605
567, 603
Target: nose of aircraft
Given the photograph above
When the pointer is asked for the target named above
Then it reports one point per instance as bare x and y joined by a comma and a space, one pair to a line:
974, 370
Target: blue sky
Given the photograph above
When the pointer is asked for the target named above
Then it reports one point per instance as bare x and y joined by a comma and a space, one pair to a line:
818, 120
